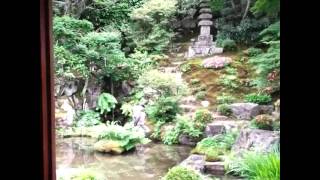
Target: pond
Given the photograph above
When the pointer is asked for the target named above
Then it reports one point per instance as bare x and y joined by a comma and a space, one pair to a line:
148, 162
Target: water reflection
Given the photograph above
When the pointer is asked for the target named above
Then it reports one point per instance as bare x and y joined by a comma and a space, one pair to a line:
148, 162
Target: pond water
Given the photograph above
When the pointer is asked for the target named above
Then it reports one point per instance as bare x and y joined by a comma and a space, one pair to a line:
148, 162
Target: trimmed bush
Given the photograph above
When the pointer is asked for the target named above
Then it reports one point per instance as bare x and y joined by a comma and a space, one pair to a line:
258, 98
224, 109
181, 173
229, 45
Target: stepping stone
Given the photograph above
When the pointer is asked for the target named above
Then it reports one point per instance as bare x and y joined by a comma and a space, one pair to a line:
205, 23
188, 100
188, 108
177, 63
215, 168
214, 129
205, 16
195, 162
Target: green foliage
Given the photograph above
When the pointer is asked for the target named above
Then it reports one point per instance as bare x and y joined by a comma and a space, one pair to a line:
157, 130
229, 81
229, 45
257, 166
224, 109
194, 81
271, 7
271, 33
225, 99
268, 62
126, 109
202, 117
106, 102
216, 5
109, 12
68, 30
182, 173
164, 83
254, 51
184, 126
164, 109
201, 95
186, 67
150, 29
215, 146
82, 174
258, 98
243, 32
126, 136
87, 118
70, 54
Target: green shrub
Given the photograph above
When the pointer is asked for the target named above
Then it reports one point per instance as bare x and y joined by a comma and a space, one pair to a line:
229, 45
127, 137
186, 67
106, 102
225, 99
201, 95
184, 126
224, 109
181, 173
87, 118
254, 51
202, 117
215, 146
230, 79
165, 109
257, 166
194, 81
164, 83
81, 174
258, 98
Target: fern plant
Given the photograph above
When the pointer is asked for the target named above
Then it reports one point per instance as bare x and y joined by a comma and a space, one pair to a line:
106, 103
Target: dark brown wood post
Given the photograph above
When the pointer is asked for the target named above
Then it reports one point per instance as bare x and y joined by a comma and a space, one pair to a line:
47, 91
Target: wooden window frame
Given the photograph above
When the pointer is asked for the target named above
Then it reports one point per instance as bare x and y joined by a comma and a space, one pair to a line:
47, 92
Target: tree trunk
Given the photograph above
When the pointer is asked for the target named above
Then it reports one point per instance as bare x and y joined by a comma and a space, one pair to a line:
112, 92
246, 10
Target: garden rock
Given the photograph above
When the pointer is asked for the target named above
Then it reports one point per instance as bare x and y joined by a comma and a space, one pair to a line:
215, 168
245, 111
214, 129
216, 62
187, 140
195, 162
266, 109
256, 140
108, 146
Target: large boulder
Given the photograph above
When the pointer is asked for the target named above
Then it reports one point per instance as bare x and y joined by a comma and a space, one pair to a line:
108, 146
256, 140
216, 62
245, 111
222, 126
195, 162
